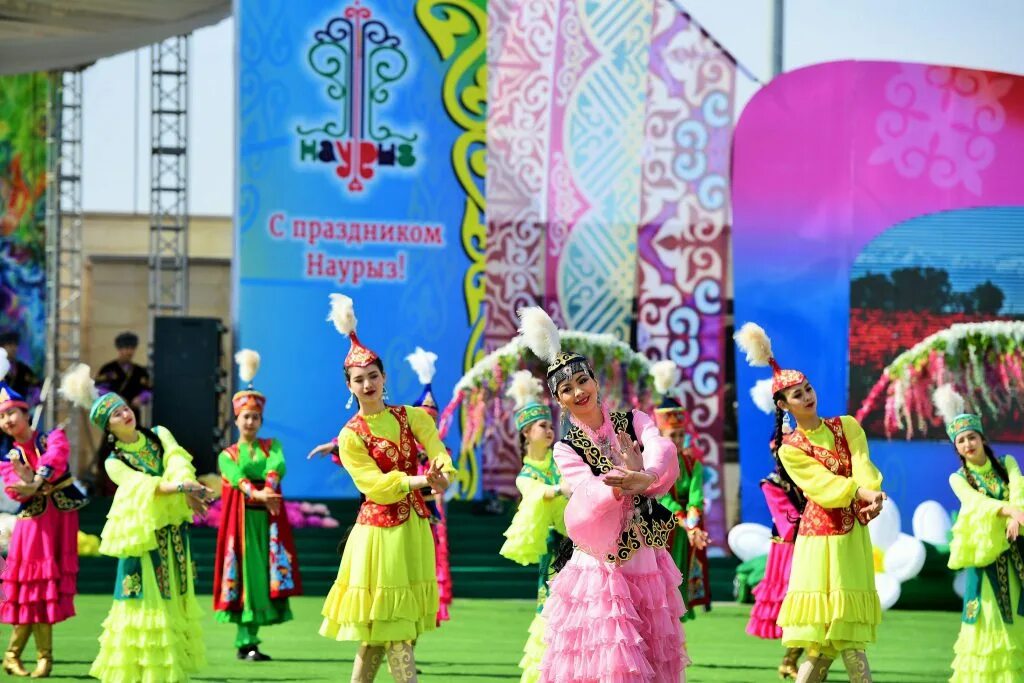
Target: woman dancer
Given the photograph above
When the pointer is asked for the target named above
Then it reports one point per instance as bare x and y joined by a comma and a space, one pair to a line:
831, 606
42, 556
614, 610
538, 527
988, 546
385, 595
153, 631
256, 568
785, 503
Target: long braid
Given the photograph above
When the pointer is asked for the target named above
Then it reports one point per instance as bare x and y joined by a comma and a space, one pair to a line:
967, 472
794, 493
997, 465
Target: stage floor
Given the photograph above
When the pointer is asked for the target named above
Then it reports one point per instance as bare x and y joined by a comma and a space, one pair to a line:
483, 643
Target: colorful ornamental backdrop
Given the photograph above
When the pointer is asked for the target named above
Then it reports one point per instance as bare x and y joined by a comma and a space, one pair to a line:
585, 98
828, 159
22, 212
361, 171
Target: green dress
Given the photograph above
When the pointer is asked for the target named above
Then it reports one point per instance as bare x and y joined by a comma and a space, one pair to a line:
254, 467
687, 493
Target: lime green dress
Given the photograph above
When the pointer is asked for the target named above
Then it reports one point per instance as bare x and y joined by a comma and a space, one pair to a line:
153, 632
533, 538
259, 608
990, 647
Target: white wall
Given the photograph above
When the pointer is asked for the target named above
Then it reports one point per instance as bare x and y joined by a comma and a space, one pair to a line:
116, 153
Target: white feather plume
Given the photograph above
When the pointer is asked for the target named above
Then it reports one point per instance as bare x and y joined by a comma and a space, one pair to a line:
665, 376
524, 388
422, 363
540, 333
948, 402
5, 363
248, 364
343, 314
77, 386
761, 393
754, 341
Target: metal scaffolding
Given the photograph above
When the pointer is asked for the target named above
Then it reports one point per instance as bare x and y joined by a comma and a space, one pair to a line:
63, 239
168, 208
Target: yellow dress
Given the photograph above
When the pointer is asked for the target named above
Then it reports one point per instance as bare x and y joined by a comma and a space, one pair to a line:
386, 588
988, 649
831, 604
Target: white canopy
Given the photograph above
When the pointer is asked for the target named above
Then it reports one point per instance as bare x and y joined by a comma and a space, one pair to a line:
43, 35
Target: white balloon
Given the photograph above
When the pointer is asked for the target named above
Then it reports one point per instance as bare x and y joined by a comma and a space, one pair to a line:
885, 528
960, 583
931, 523
888, 589
905, 558
749, 540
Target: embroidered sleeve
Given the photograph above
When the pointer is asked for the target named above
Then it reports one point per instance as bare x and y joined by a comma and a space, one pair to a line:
380, 487
137, 511
659, 454
815, 480
425, 431
276, 467
594, 517
979, 534
10, 479
53, 462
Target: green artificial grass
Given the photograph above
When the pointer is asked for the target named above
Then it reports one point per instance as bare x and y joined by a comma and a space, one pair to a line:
484, 639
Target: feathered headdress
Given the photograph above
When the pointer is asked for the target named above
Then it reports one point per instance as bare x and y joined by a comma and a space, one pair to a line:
539, 332
248, 398
754, 341
343, 315
951, 406
9, 398
423, 364
525, 391
761, 394
78, 387
670, 415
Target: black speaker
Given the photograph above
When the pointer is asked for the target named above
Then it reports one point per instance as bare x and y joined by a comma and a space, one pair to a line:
188, 383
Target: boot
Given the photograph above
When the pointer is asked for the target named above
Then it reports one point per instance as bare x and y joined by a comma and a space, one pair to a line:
857, 669
368, 661
788, 667
44, 650
402, 662
12, 658
814, 670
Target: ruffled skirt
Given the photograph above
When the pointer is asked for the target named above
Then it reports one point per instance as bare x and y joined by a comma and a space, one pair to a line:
150, 639
768, 594
40, 580
989, 650
386, 589
609, 623
442, 569
533, 651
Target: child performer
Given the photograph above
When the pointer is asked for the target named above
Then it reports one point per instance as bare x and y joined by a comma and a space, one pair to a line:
256, 567
831, 606
987, 544
538, 527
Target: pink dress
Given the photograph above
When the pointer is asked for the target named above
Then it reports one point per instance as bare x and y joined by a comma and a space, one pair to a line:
442, 562
39, 582
769, 593
613, 613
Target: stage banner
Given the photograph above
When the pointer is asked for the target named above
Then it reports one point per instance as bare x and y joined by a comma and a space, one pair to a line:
608, 138
853, 240
361, 163
23, 101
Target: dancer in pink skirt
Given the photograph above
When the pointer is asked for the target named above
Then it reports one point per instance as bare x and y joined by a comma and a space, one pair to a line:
39, 582
613, 613
785, 502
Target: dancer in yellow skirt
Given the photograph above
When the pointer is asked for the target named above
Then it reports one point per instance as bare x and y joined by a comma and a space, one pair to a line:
986, 544
831, 607
385, 595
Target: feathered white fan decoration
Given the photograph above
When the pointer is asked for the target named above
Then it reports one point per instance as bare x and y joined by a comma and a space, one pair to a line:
948, 402
540, 333
665, 376
422, 363
248, 364
78, 386
524, 388
5, 363
761, 393
343, 314
754, 341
